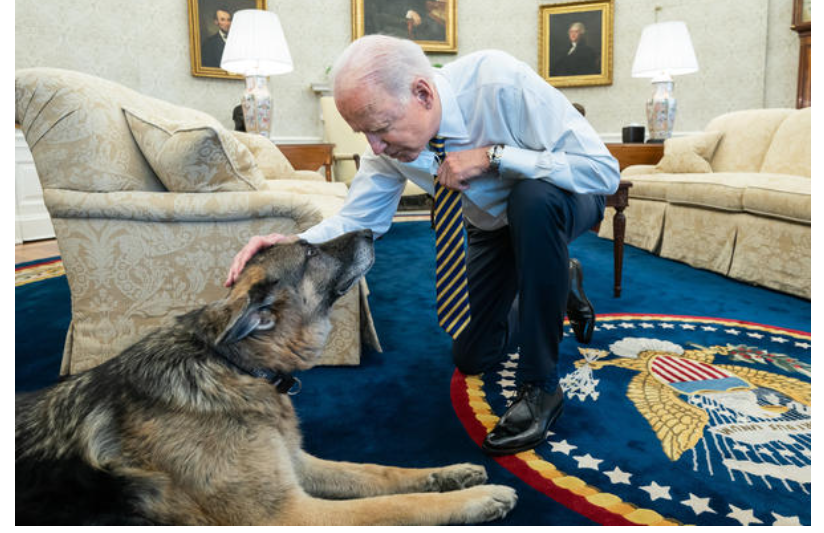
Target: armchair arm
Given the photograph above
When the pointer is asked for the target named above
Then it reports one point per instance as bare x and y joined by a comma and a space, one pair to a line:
637, 170
143, 206
348, 157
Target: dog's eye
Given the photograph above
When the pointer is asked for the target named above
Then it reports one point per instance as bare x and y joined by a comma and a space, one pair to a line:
311, 251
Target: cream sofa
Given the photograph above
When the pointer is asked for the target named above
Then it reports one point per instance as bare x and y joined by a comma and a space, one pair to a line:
150, 202
744, 213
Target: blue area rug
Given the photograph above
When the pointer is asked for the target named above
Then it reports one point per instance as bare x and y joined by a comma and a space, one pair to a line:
399, 407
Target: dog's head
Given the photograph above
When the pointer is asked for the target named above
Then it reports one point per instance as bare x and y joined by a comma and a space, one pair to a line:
276, 316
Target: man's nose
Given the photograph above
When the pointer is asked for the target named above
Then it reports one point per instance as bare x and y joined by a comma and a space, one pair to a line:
377, 144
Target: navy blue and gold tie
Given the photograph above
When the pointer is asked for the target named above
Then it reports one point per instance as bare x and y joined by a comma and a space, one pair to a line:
450, 254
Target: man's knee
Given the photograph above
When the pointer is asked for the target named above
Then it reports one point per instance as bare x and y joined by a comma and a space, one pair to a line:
533, 199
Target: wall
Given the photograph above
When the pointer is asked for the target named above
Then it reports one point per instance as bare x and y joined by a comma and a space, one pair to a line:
748, 55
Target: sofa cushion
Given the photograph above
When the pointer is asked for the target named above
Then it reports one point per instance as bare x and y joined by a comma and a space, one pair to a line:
689, 154
194, 156
779, 196
790, 152
747, 135
718, 190
774, 195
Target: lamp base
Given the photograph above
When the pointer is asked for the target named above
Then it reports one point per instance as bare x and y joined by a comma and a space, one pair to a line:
661, 109
257, 105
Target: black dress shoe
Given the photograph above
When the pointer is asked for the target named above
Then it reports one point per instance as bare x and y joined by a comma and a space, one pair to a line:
579, 310
526, 422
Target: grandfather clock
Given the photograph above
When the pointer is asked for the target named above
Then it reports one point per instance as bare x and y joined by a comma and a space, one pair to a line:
802, 24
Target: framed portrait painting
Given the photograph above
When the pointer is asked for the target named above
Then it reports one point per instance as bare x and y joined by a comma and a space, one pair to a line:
210, 22
430, 23
575, 43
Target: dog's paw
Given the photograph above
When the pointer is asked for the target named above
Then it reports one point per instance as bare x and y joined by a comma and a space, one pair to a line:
456, 477
489, 502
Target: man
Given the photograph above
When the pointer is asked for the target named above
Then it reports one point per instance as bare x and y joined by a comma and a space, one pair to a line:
212, 50
533, 175
579, 59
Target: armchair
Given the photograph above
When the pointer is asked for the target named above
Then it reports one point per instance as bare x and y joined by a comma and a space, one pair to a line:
150, 202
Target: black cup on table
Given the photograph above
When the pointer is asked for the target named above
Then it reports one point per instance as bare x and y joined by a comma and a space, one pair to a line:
634, 133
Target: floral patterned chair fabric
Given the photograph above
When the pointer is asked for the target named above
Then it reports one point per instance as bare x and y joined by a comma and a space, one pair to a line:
136, 253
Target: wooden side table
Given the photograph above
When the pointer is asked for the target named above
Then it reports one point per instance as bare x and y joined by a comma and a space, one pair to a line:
627, 155
309, 156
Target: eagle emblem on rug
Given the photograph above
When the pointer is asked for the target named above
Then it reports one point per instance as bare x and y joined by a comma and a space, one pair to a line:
681, 394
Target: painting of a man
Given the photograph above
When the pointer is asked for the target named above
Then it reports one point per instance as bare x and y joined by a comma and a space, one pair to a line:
420, 20
575, 48
212, 48
577, 58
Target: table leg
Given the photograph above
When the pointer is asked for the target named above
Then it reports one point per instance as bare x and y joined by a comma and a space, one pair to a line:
618, 227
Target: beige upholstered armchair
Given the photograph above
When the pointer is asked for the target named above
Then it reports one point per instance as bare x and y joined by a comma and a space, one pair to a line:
151, 201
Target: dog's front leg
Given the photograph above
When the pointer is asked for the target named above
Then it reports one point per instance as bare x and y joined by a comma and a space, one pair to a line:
467, 506
342, 480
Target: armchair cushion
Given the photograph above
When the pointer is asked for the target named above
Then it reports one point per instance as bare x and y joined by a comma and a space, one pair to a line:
271, 161
195, 156
690, 154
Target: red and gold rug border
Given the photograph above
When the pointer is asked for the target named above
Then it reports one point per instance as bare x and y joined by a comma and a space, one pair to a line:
26, 274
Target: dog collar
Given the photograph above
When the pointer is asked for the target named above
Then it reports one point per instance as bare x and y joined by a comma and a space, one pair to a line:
283, 382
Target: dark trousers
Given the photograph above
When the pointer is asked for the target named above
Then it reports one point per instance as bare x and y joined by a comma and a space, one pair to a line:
527, 259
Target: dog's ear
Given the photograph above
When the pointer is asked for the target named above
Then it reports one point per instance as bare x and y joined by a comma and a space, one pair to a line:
248, 313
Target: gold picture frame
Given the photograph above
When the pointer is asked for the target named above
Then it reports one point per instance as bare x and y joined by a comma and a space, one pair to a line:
802, 19
203, 22
430, 23
589, 62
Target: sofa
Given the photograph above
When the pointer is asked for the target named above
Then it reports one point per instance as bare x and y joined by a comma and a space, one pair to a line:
734, 199
150, 202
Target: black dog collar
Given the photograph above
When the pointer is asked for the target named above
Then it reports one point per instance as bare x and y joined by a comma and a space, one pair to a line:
283, 382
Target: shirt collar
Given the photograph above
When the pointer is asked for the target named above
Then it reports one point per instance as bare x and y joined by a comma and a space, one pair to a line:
452, 125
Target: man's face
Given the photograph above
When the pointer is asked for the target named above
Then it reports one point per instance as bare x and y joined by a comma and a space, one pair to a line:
574, 33
400, 132
223, 21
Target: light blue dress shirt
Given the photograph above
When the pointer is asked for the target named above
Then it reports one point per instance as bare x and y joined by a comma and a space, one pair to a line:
487, 98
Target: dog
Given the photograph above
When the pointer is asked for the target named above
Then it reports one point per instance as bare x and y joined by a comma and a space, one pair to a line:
193, 424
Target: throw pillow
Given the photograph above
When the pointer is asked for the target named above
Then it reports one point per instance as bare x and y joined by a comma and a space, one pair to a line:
195, 157
691, 154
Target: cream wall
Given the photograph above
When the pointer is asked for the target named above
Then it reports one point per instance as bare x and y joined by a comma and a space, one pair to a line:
747, 53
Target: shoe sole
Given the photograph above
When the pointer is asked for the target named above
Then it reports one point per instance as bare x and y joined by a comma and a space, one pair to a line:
496, 452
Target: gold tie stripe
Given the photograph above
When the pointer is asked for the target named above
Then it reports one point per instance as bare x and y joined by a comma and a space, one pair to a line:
450, 254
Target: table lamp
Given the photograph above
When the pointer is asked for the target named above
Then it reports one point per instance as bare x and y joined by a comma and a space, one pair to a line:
257, 49
665, 50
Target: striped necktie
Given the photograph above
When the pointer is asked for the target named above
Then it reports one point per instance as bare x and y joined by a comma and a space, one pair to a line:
450, 254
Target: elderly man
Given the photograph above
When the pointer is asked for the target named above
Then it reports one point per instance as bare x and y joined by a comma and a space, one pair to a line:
531, 176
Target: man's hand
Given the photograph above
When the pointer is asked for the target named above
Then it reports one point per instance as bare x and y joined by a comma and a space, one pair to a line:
459, 168
254, 245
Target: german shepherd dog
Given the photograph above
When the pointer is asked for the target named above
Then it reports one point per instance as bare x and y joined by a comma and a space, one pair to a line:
191, 425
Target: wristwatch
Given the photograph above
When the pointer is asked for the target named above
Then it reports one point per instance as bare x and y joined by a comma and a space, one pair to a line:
494, 155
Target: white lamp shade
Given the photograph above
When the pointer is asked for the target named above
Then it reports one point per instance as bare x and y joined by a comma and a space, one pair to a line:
256, 45
665, 49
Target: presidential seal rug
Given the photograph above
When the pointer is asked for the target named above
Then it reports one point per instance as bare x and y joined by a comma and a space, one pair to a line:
668, 420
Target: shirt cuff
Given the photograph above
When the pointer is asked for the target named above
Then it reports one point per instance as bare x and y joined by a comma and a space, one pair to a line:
520, 163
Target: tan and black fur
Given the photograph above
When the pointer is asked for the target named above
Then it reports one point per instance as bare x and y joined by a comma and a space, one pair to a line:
175, 430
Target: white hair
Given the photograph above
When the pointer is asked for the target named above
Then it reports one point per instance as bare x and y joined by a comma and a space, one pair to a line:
383, 61
580, 26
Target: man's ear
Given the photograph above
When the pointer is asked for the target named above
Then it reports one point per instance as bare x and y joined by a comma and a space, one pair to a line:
424, 92
248, 313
